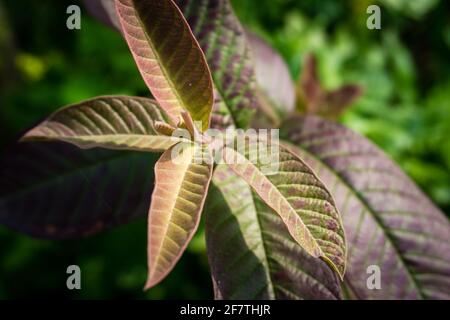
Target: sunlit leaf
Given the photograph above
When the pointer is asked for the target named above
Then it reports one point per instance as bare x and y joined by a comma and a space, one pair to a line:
181, 185
389, 222
168, 56
113, 122
214, 22
250, 251
223, 40
56, 190
302, 201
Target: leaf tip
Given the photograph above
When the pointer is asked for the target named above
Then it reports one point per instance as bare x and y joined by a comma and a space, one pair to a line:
150, 283
153, 278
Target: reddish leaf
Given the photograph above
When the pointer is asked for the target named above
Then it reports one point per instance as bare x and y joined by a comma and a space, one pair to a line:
313, 99
272, 74
388, 220
250, 251
168, 56
300, 199
112, 122
181, 185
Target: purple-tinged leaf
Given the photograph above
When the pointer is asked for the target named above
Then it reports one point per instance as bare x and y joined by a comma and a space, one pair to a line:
250, 251
112, 122
272, 74
56, 190
168, 56
223, 40
313, 99
337, 101
294, 192
181, 184
309, 91
389, 222
216, 26
105, 11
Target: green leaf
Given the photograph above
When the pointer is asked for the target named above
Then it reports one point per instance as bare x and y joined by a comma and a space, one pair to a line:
389, 222
168, 56
250, 251
56, 190
113, 122
181, 184
302, 201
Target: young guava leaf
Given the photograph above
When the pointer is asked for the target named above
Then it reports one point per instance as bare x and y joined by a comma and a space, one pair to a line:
309, 90
251, 254
304, 204
313, 99
214, 21
56, 190
168, 56
337, 101
181, 184
112, 122
223, 40
390, 223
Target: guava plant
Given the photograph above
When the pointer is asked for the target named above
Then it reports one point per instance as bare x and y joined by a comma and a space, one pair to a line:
277, 235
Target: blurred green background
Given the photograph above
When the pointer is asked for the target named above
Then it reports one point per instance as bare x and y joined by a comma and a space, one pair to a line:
405, 109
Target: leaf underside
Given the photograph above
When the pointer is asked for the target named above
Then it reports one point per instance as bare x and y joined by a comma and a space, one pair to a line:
250, 251
56, 190
389, 222
112, 122
301, 200
177, 202
215, 25
168, 56
223, 41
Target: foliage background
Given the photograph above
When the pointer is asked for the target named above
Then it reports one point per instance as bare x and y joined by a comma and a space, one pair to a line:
405, 110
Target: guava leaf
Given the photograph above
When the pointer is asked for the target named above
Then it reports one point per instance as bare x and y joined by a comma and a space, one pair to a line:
389, 222
313, 99
168, 56
223, 40
214, 22
250, 251
272, 74
113, 122
105, 11
56, 190
301, 200
337, 101
181, 184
